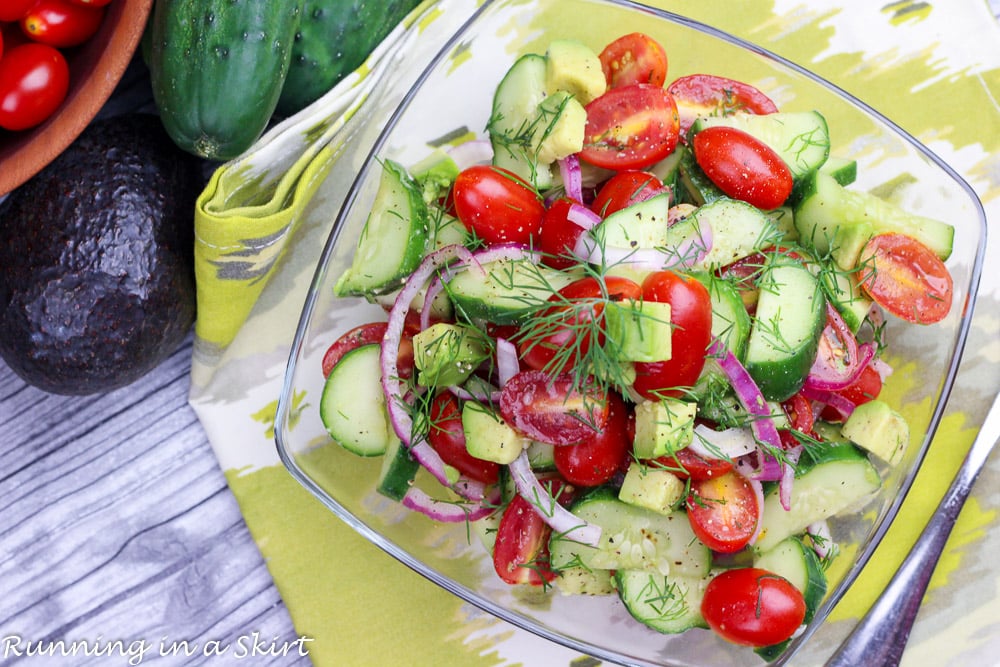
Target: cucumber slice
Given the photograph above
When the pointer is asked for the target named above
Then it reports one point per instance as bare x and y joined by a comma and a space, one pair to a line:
800, 138
641, 225
843, 170
730, 319
738, 230
837, 479
392, 243
834, 220
352, 406
697, 188
632, 538
516, 126
667, 603
790, 316
797, 562
503, 292
398, 471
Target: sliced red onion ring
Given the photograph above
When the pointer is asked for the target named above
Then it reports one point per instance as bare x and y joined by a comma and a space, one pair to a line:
448, 511
507, 363
822, 542
469, 153
788, 477
560, 519
840, 359
758, 492
569, 171
842, 405
748, 394
582, 217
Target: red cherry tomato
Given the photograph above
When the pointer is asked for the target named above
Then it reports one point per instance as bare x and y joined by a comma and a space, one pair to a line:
691, 318
568, 329
497, 205
552, 409
742, 166
686, 464
363, 334
559, 235
631, 127
91, 3
521, 550
708, 95
799, 411
624, 189
34, 79
634, 58
61, 23
595, 461
13, 10
866, 387
723, 511
906, 278
448, 439
753, 607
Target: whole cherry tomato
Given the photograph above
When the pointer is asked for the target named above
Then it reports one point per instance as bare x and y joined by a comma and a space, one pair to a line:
743, 166
624, 189
13, 10
91, 3
753, 607
61, 23
687, 464
34, 80
634, 58
596, 460
630, 127
559, 235
497, 205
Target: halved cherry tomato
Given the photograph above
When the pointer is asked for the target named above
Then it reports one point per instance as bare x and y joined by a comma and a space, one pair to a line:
634, 58
497, 205
61, 23
691, 318
521, 550
753, 607
596, 460
366, 334
559, 235
552, 409
447, 437
906, 278
624, 189
568, 326
799, 411
34, 80
709, 95
866, 387
91, 3
743, 166
631, 127
13, 10
723, 511
687, 464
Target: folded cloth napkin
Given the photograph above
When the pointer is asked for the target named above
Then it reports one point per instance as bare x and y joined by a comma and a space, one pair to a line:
933, 67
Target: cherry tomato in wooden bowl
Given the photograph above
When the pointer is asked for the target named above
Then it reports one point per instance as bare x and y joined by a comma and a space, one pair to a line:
34, 79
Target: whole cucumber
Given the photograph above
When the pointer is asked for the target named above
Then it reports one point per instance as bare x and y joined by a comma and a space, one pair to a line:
217, 69
333, 39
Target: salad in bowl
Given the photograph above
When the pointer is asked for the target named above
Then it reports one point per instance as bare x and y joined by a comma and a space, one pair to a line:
624, 339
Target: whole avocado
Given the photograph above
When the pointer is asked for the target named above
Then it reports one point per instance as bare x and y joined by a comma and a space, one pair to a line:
96, 259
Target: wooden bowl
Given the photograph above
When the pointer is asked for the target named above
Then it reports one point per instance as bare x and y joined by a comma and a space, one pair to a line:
94, 69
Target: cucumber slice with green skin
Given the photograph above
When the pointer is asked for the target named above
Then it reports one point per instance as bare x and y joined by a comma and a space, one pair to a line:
846, 296
632, 538
515, 126
393, 241
696, 187
738, 230
730, 319
830, 218
794, 560
352, 406
784, 338
504, 291
641, 225
666, 603
398, 471
840, 478
800, 138
843, 170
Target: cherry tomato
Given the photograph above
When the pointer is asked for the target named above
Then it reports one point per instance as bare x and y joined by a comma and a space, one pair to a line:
753, 607
61, 23
866, 387
596, 460
90, 3
634, 58
552, 409
13, 10
624, 189
567, 334
742, 166
799, 411
631, 127
691, 318
521, 550
34, 79
448, 439
723, 511
1, 44
709, 95
906, 278
363, 334
687, 464
559, 235
497, 205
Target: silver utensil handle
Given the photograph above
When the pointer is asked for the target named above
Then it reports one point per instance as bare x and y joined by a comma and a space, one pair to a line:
880, 637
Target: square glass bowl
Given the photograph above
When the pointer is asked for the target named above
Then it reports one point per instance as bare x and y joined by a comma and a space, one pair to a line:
454, 94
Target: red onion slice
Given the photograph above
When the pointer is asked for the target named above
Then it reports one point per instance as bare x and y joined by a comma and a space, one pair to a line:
788, 477
840, 360
582, 217
507, 363
447, 511
470, 153
730, 443
572, 178
844, 406
560, 519
748, 394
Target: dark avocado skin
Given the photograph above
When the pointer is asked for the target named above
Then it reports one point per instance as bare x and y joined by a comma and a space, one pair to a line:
96, 259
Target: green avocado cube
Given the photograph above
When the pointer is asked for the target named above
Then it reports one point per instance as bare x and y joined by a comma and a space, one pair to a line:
663, 427
655, 489
573, 67
488, 436
446, 354
879, 429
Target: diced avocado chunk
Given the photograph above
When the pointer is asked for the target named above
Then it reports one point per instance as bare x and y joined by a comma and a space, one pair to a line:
878, 429
563, 123
574, 67
639, 330
849, 242
656, 489
663, 427
488, 436
446, 354
435, 174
